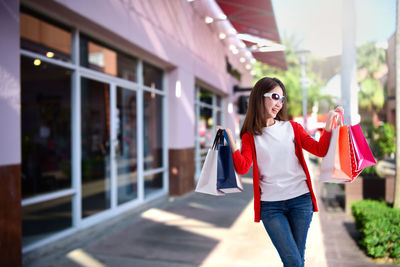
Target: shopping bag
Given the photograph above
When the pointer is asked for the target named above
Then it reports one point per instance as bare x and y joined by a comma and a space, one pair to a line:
336, 166
228, 181
354, 170
207, 183
363, 153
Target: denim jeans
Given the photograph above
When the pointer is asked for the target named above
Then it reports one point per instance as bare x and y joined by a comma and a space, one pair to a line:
287, 224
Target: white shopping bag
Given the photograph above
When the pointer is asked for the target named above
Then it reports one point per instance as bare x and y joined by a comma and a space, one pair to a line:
330, 171
228, 181
207, 183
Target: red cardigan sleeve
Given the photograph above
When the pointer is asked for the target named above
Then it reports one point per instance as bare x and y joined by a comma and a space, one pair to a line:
318, 148
243, 159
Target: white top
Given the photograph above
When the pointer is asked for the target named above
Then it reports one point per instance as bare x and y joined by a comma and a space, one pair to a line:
281, 175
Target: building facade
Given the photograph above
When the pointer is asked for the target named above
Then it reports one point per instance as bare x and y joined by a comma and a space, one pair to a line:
107, 105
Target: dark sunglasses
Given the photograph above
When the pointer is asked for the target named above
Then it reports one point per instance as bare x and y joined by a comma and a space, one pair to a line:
276, 97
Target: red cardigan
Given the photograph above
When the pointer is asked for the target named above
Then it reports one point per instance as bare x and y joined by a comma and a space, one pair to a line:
243, 159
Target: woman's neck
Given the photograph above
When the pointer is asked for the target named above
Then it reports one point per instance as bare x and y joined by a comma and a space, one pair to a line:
270, 122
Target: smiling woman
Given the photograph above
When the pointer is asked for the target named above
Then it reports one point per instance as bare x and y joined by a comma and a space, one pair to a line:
283, 195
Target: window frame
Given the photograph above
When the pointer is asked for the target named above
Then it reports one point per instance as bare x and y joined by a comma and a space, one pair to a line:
75, 191
214, 109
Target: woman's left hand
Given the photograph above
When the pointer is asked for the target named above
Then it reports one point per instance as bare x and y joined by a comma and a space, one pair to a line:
331, 115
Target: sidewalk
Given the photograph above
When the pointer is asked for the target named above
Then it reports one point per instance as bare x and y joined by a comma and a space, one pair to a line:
202, 230
338, 228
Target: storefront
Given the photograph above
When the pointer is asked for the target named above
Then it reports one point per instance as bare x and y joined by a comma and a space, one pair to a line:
108, 108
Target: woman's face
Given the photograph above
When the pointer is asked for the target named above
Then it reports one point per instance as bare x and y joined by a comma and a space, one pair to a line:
272, 107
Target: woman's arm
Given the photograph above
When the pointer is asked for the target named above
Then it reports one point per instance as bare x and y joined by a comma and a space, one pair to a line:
241, 159
319, 148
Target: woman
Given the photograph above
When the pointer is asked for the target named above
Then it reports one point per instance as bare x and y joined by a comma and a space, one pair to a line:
283, 195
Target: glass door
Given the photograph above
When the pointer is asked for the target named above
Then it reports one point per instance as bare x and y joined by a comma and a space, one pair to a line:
126, 147
95, 164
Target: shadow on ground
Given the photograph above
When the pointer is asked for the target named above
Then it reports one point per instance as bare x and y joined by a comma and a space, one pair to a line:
179, 231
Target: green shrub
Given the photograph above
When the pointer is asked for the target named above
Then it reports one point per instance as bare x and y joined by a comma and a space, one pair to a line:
379, 226
381, 139
370, 171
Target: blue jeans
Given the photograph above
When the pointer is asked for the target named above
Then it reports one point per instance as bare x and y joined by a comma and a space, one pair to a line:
287, 224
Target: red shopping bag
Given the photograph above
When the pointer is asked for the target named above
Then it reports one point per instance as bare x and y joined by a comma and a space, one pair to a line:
354, 171
363, 153
355, 150
336, 166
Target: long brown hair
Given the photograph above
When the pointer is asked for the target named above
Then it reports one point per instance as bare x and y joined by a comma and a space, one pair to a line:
255, 117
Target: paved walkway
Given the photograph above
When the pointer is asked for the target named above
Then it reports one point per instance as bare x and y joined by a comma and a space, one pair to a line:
202, 230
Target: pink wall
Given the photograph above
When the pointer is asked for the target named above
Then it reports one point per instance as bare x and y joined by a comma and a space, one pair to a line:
171, 34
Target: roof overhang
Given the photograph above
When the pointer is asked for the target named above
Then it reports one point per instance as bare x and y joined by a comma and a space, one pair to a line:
256, 18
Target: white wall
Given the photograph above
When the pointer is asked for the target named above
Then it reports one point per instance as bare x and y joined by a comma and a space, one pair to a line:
10, 109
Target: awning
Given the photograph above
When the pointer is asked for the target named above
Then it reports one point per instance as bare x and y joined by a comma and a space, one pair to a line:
255, 17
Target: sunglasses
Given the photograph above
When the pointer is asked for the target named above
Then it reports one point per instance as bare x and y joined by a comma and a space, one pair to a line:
276, 97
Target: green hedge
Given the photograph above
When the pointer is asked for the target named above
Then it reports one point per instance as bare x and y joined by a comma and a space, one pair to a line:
379, 226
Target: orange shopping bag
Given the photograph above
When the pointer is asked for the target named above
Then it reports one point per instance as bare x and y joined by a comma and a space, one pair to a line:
338, 165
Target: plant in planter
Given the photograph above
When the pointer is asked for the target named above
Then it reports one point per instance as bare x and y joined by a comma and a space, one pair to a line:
379, 226
382, 143
373, 183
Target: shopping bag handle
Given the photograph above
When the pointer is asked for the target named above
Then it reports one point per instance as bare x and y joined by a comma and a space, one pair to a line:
219, 139
337, 120
226, 138
344, 118
216, 140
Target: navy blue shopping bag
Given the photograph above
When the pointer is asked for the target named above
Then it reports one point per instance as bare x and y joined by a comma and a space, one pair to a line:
227, 179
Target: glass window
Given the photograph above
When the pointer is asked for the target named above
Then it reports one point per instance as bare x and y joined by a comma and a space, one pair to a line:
126, 67
152, 76
219, 101
126, 151
208, 115
96, 56
152, 131
206, 96
45, 127
218, 118
153, 182
95, 119
206, 123
43, 219
44, 38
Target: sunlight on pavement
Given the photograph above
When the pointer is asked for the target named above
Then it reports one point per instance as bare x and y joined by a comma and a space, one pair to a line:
200, 206
84, 259
237, 246
315, 249
184, 223
247, 180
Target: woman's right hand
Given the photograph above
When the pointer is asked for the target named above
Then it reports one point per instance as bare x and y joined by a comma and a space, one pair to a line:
331, 115
230, 137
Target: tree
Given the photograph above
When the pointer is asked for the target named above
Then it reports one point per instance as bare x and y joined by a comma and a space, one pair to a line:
291, 78
371, 95
370, 59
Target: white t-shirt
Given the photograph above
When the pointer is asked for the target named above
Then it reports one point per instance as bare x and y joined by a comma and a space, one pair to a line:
281, 175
